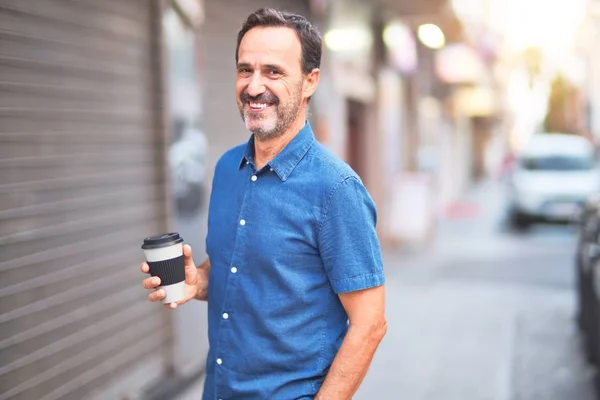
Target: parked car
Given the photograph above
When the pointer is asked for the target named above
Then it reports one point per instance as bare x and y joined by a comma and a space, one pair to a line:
551, 178
587, 268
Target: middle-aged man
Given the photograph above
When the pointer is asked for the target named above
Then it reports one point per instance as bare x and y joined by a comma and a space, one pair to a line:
294, 279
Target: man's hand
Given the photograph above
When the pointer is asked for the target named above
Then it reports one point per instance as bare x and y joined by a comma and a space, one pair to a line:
196, 280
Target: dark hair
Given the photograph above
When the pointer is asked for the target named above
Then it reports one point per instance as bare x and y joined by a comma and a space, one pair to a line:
310, 40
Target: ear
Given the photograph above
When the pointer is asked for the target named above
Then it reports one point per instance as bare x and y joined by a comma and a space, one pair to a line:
311, 81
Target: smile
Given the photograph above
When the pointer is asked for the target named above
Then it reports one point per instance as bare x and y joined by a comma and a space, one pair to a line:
258, 106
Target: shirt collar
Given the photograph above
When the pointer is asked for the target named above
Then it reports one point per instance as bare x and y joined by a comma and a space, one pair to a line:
284, 163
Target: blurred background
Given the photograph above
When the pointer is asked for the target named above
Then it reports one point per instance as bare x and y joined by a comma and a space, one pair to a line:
473, 123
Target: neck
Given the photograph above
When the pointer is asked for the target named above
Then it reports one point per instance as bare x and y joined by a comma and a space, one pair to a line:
265, 151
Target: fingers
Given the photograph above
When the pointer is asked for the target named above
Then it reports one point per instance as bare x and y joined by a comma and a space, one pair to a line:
145, 268
157, 295
151, 283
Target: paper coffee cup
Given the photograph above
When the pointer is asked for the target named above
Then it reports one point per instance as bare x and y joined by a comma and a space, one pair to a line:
164, 255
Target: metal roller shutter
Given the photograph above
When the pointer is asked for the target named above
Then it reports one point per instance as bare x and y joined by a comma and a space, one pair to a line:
81, 184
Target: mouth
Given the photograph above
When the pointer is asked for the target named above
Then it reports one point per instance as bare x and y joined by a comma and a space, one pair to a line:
258, 107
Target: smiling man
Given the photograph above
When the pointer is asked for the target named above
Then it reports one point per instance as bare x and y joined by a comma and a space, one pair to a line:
294, 279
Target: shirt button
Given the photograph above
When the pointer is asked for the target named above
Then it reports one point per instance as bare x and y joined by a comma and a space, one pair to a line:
271, 169
254, 178
242, 222
219, 361
225, 315
233, 270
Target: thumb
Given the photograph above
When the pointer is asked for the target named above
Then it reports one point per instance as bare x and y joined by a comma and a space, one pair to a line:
191, 272
187, 256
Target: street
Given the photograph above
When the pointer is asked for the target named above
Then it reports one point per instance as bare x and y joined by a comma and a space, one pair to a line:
482, 313
120, 126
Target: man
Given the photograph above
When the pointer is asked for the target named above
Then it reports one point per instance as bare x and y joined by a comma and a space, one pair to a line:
294, 279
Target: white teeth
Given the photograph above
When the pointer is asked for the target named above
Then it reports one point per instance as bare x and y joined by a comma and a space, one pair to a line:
258, 105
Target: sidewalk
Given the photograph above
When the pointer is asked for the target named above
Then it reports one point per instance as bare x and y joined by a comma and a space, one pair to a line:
480, 314
468, 226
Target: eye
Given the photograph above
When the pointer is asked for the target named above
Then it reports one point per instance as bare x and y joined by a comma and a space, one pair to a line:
245, 71
273, 73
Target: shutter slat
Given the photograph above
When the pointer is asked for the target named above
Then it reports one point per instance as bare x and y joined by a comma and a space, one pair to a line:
85, 202
128, 175
85, 68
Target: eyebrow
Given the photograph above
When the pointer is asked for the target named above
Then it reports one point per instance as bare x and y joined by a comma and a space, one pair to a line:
275, 66
271, 66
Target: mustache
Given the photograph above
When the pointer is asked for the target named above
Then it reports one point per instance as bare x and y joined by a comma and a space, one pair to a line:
266, 97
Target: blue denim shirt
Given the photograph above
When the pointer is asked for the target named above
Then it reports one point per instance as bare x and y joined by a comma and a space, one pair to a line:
283, 242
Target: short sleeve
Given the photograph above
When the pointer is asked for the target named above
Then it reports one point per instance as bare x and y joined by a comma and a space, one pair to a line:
348, 242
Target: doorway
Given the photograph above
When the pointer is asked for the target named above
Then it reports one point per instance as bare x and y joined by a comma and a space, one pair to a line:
357, 145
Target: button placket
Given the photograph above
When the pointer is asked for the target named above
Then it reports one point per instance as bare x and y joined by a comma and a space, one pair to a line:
229, 303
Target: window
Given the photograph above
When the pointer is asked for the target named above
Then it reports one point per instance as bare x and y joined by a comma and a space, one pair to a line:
558, 163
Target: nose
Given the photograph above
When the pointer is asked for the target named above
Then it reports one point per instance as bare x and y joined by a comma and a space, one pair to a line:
255, 86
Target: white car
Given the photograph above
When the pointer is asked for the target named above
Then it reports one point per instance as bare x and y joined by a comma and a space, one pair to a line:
551, 179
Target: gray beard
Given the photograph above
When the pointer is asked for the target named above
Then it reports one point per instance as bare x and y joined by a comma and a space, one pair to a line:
285, 118
283, 123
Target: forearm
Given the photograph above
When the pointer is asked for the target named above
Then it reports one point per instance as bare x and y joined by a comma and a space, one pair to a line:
351, 363
202, 285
